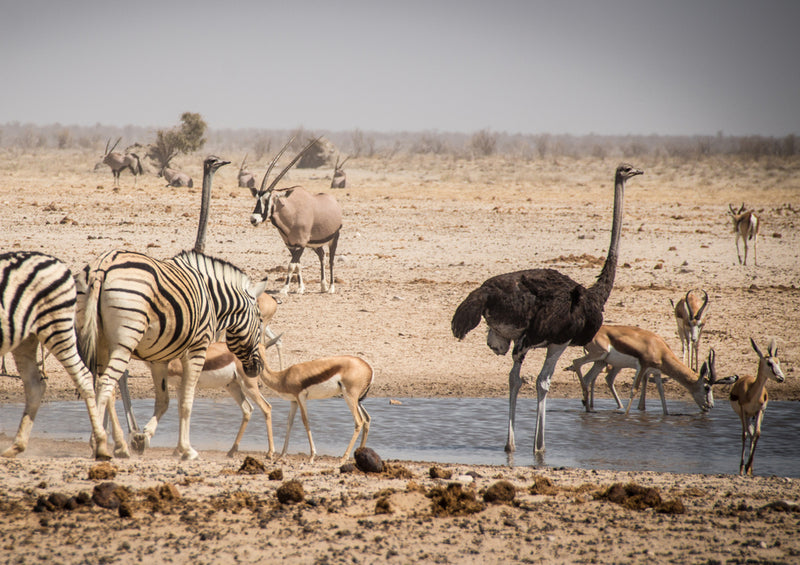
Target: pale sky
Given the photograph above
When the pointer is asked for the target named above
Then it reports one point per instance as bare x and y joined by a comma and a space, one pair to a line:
669, 67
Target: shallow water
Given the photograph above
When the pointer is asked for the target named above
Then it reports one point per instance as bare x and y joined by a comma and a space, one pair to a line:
473, 431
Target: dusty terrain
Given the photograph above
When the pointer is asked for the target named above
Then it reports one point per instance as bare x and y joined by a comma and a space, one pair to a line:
420, 233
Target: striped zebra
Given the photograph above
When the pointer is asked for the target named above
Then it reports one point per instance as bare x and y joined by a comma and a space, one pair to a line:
37, 304
132, 305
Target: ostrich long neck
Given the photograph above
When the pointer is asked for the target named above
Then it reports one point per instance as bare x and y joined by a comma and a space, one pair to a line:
605, 281
200, 242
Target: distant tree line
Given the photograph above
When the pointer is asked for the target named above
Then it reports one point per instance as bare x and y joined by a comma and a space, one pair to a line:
192, 134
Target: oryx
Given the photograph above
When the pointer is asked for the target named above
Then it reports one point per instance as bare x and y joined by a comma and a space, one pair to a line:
303, 220
121, 161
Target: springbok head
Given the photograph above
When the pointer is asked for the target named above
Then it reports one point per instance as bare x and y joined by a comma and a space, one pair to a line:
691, 314
708, 375
264, 195
770, 361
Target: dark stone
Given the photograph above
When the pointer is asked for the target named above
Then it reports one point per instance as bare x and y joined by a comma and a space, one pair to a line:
500, 492
102, 472
58, 500
252, 466
439, 473
290, 492
276, 475
367, 460
105, 496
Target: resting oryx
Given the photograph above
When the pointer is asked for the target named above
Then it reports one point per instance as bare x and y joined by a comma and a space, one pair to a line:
339, 179
246, 178
175, 177
303, 220
121, 161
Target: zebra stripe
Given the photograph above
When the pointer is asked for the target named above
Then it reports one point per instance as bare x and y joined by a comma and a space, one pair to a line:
37, 304
135, 306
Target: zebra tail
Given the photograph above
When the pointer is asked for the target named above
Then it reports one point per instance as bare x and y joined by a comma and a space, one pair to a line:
87, 334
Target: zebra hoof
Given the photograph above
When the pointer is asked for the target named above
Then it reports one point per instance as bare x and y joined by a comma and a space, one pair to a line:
140, 442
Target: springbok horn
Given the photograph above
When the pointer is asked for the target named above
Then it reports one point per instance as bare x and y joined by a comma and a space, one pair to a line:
703, 307
292, 162
275, 160
273, 341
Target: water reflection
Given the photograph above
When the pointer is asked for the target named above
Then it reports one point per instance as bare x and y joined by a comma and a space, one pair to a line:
473, 430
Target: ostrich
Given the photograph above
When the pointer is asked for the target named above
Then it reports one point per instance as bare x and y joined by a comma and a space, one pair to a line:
541, 308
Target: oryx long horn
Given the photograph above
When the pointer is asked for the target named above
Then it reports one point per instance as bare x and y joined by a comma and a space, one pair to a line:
291, 163
243, 162
275, 160
114, 146
107, 143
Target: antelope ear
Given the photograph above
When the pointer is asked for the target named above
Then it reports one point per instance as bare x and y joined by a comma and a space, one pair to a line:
253, 191
256, 288
772, 349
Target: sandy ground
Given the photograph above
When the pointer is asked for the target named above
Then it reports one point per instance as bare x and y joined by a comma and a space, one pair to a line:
420, 233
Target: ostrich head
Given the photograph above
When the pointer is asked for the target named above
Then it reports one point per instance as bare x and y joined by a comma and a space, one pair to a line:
626, 171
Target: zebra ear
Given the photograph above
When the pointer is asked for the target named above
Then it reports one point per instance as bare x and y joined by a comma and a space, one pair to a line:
256, 288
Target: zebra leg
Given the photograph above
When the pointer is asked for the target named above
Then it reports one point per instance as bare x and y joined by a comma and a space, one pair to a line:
66, 352
120, 445
34, 384
191, 373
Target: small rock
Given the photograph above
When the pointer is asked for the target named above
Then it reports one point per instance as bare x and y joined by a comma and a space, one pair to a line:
102, 472
290, 492
251, 466
276, 475
367, 460
105, 495
58, 500
439, 473
500, 492
348, 467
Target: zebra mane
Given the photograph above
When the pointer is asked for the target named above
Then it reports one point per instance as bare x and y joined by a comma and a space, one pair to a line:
213, 267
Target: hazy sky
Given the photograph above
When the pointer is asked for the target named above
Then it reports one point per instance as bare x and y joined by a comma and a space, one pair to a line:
606, 67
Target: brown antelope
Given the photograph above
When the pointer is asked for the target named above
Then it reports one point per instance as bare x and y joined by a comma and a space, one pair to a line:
745, 226
302, 219
690, 317
628, 347
246, 178
118, 162
339, 179
749, 400
175, 177
347, 375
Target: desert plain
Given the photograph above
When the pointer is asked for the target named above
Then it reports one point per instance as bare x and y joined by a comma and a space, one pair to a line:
419, 233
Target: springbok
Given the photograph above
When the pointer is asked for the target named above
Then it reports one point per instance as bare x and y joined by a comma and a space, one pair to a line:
175, 177
347, 375
339, 179
246, 178
745, 226
689, 315
118, 162
302, 219
628, 347
749, 400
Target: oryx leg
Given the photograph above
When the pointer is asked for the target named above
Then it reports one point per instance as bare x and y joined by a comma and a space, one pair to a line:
331, 255
294, 267
320, 251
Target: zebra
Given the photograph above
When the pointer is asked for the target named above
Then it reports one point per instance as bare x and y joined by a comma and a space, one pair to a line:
132, 305
37, 305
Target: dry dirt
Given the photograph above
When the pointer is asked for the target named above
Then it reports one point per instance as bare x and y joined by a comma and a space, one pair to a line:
420, 233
